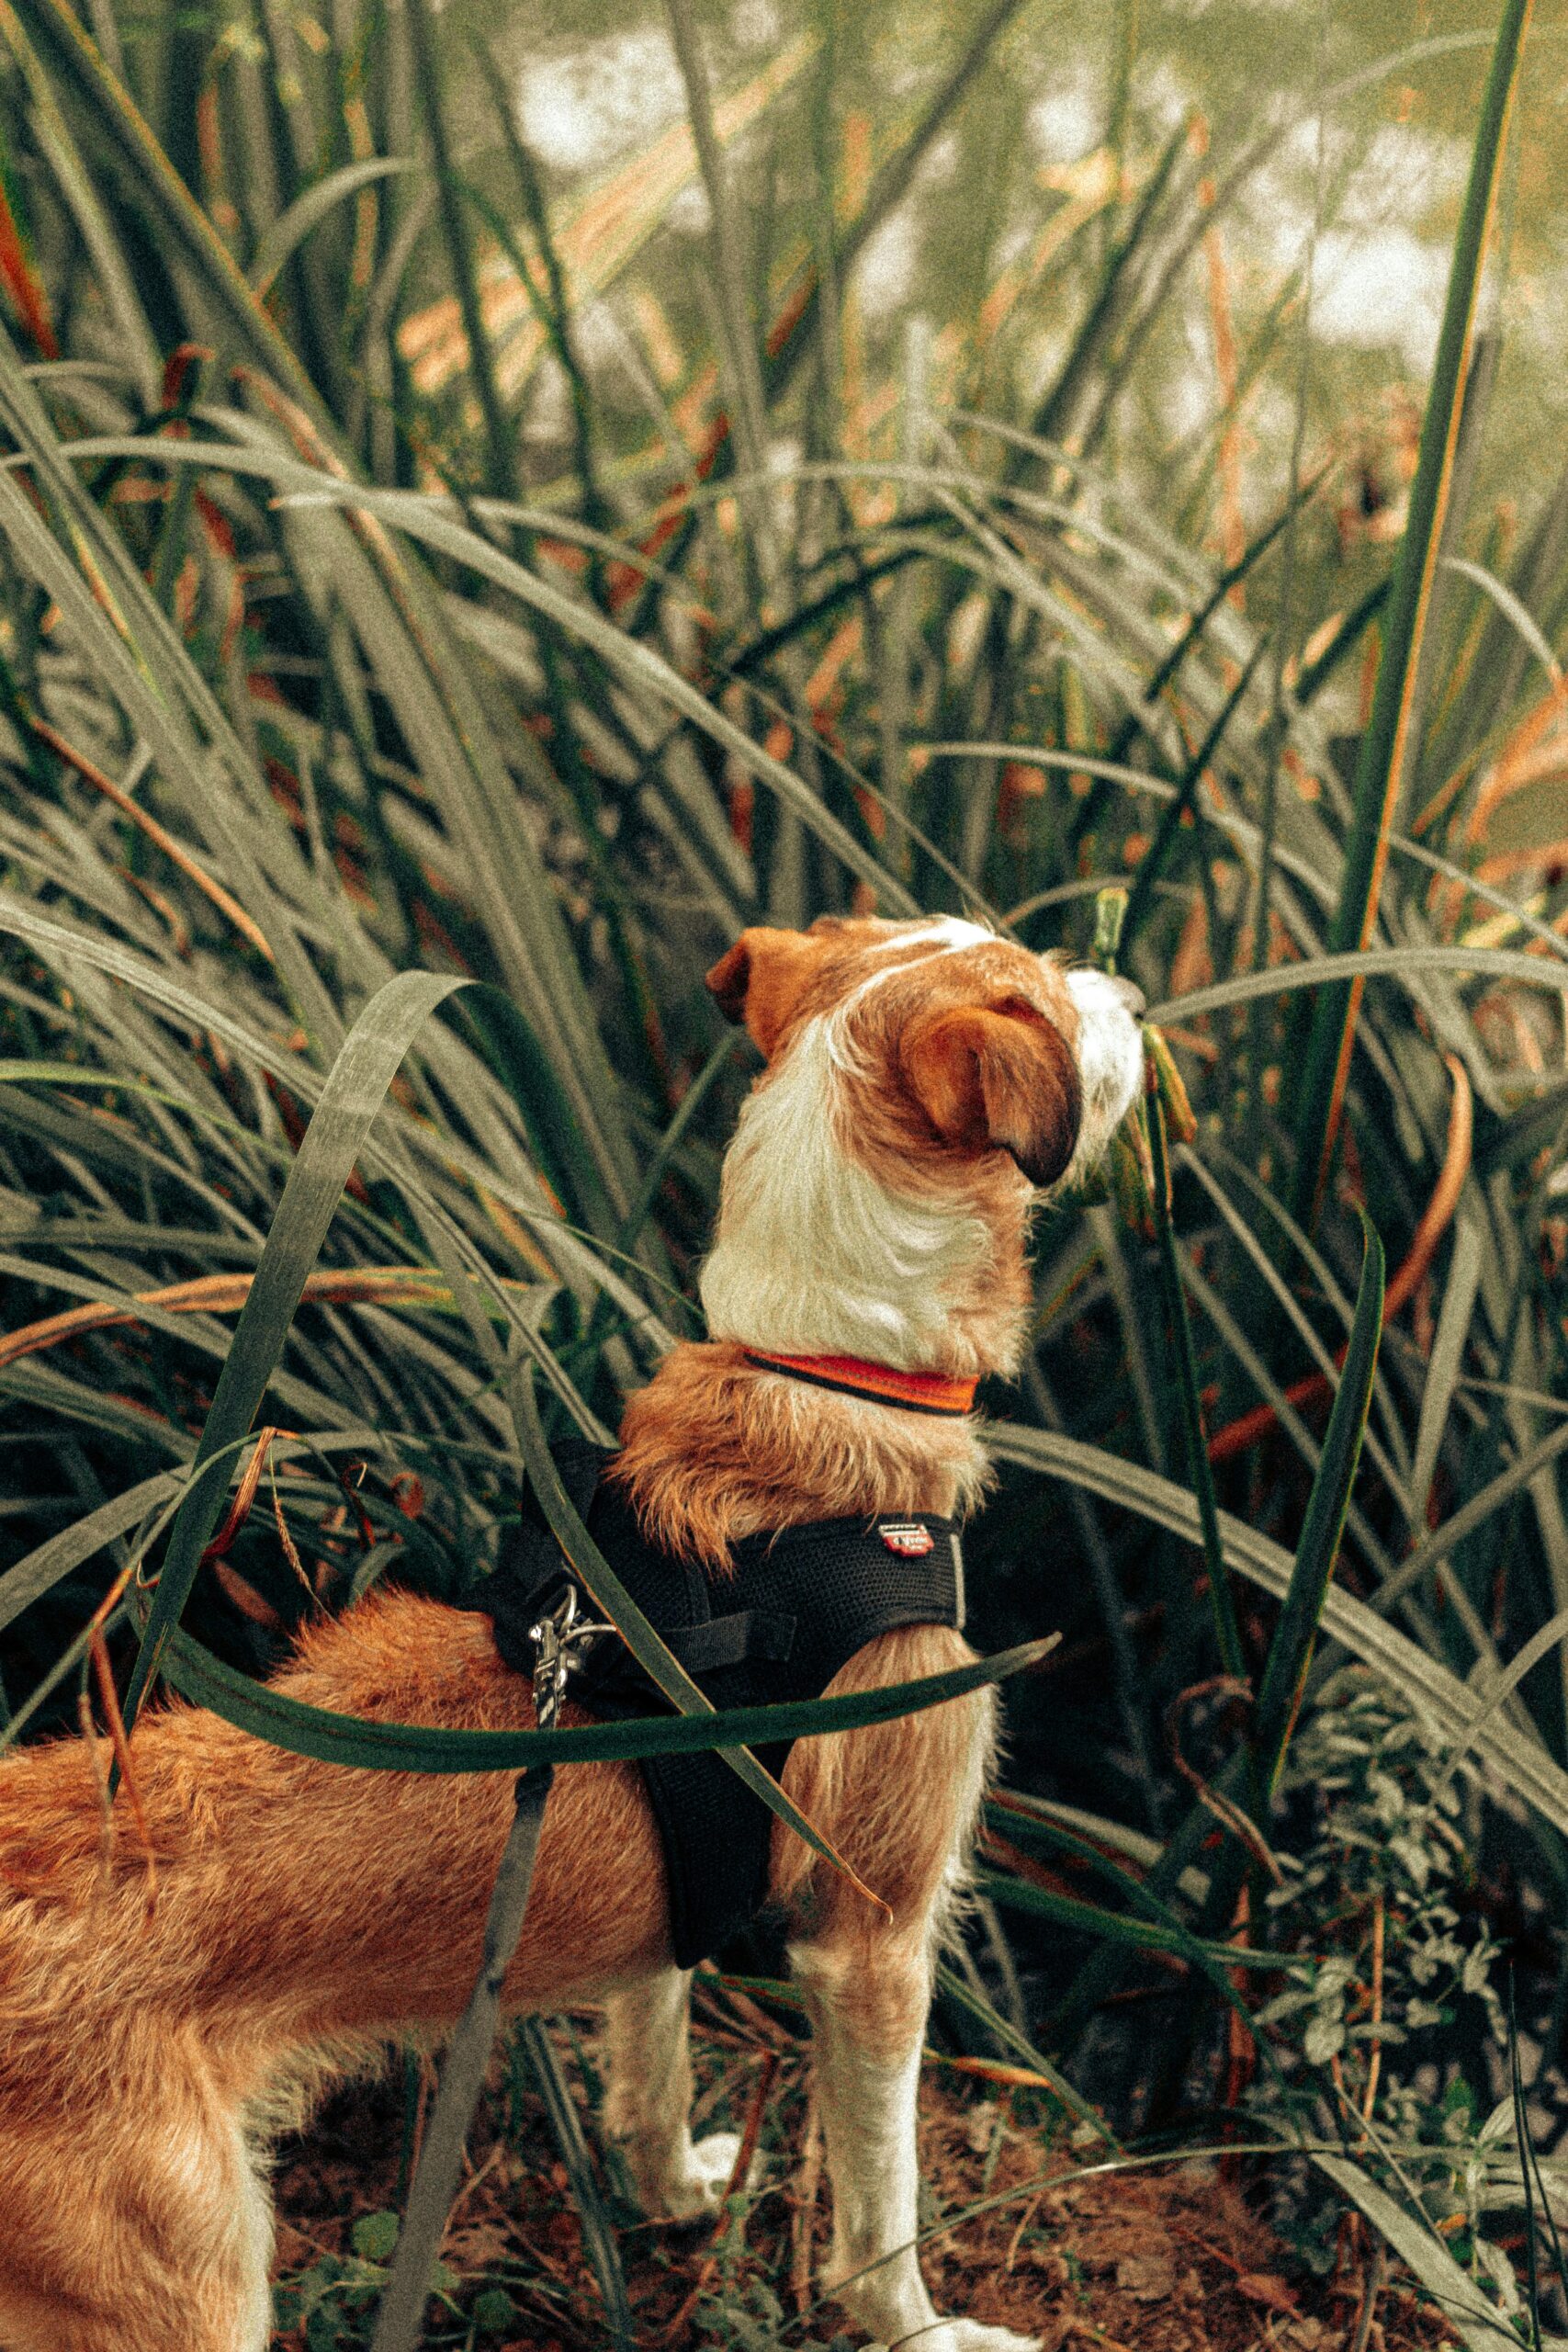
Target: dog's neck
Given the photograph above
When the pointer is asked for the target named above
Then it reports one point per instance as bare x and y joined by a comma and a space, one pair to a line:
819, 1254
716, 1448
825, 1249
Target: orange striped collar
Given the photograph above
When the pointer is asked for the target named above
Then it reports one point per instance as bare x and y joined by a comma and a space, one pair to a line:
914, 1392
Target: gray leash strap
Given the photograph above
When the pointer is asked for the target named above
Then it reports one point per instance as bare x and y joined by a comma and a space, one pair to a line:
399, 2322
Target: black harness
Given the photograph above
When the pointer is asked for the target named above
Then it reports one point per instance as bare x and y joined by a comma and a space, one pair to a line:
798, 1606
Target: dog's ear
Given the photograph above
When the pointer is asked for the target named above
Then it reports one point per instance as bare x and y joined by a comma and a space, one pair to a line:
760, 979
999, 1078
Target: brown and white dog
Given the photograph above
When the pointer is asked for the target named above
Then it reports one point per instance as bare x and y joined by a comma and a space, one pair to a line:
924, 1081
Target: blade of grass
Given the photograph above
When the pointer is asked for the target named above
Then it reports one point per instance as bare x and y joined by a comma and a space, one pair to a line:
355, 1089
1445, 1363
952, 1987
1152, 864
373, 1744
597, 2229
499, 438
399, 2320
1380, 767
290, 229
1222, 1600
1419, 2247
1289, 1653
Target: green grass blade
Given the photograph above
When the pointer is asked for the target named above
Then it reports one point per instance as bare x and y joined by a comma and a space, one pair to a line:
1289, 1653
1380, 766
400, 2321
598, 2230
290, 230
1017, 2045
1446, 1361
1371, 963
269, 1713
500, 438
1222, 1601
353, 1094
1116, 1927
1480, 2328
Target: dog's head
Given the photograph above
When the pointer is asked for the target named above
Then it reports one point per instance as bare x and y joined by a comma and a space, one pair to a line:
925, 1080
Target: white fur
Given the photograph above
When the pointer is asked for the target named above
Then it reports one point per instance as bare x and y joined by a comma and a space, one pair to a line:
869, 2102
1110, 1067
814, 1256
647, 2104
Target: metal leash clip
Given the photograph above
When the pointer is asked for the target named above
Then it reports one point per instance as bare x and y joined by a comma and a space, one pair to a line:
555, 1639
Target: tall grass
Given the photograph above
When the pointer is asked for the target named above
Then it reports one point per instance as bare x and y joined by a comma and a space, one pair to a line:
328, 685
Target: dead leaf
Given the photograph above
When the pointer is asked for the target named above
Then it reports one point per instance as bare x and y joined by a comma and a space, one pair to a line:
245, 1598
1148, 2277
1266, 2288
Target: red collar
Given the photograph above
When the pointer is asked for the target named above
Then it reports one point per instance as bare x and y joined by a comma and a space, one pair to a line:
913, 1392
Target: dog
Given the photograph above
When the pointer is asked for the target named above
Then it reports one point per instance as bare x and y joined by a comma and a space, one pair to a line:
924, 1083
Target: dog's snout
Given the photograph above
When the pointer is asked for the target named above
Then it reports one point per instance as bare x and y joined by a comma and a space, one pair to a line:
1132, 996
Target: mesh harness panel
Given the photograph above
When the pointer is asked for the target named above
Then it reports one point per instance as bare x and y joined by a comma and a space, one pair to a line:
799, 1605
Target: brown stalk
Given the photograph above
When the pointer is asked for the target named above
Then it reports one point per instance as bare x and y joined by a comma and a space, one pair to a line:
1377, 2273
1374, 2063
103, 1674
245, 1495
227, 906
290, 1549
995, 2069
804, 2217
1240, 1826
225, 1295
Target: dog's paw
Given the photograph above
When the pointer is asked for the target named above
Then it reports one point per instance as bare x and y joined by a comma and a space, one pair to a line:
698, 2192
972, 2335
964, 2336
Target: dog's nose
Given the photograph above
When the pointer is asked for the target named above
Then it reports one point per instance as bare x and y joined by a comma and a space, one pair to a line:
1132, 996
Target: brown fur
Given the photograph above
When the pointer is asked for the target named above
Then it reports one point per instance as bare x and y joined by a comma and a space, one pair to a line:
714, 1449
305, 1911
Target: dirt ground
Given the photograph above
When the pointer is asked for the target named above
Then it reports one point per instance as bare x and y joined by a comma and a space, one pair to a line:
1169, 2258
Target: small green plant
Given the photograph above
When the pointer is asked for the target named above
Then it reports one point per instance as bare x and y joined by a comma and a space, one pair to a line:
1368, 1896
1396, 1979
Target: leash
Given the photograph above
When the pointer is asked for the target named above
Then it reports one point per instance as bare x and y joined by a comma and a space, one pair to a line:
558, 1639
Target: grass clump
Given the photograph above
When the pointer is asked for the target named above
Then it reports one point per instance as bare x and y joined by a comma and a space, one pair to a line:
409, 577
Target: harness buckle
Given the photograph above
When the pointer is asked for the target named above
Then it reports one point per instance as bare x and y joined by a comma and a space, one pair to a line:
556, 1638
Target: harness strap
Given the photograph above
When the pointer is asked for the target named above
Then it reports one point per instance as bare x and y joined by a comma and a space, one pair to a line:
729, 1641
797, 1603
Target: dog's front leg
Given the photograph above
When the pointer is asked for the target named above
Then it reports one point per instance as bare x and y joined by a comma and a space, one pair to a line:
647, 2104
867, 2003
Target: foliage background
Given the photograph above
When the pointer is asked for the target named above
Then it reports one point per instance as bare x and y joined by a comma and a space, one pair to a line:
956, 462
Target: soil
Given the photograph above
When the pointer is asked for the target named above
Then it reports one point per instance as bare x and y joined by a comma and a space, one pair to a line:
1039, 2235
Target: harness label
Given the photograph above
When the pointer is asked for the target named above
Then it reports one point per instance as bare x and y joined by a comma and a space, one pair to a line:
911, 1543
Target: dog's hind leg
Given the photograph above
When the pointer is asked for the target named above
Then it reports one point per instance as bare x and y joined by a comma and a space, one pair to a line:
134, 2232
647, 2104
